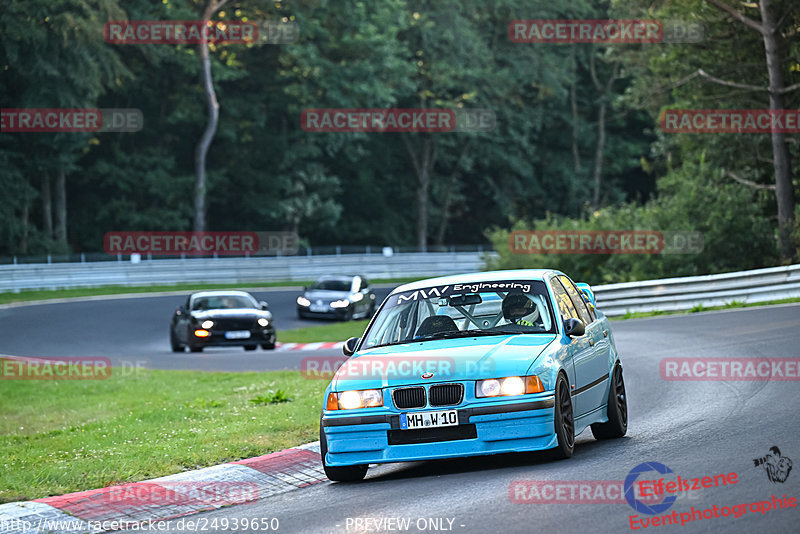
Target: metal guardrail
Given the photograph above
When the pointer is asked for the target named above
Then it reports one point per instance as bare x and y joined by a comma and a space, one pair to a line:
672, 294
669, 294
14, 278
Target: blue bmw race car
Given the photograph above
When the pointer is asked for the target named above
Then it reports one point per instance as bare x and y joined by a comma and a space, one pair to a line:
474, 364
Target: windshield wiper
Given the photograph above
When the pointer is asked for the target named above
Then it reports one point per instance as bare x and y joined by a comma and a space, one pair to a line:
455, 334
465, 333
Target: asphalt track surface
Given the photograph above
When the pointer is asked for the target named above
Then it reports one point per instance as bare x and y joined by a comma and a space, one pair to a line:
135, 332
696, 428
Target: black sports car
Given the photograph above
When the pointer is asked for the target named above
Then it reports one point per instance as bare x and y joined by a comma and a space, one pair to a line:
338, 297
222, 318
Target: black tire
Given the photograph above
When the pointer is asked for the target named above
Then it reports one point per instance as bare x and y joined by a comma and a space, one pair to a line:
268, 346
176, 347
564, 421
350, 473
250, 347
195, 349
348, 315
617, 425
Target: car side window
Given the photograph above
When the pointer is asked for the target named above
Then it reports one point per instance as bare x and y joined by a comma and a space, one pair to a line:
564, 303
577, 299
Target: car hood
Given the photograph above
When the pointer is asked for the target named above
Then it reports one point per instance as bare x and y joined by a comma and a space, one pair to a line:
324, 294
236, 312
469, 358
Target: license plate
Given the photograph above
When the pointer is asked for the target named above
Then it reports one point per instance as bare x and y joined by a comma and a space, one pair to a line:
411, 421
319, 309
237, 334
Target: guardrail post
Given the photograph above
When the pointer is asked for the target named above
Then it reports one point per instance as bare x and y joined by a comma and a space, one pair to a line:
49, 258
308, 251
367, 249
83, 257
338, 250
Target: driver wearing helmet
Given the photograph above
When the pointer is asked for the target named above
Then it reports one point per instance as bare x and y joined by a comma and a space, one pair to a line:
518, 305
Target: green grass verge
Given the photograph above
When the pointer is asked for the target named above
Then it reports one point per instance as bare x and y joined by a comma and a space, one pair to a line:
46, 294
63, 436
700, 308
330, 332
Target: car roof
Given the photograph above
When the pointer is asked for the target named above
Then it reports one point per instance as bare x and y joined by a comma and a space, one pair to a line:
488, 276
222, 294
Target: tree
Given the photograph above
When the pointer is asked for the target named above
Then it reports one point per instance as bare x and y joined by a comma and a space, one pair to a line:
769, 29
55, 53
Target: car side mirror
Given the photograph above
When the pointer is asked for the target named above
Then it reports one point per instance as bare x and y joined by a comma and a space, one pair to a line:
264, 305
349, 347
574, 328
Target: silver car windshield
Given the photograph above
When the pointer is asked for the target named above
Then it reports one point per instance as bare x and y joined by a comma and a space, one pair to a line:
460, 310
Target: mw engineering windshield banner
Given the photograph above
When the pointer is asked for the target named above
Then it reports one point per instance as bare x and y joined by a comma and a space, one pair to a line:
461, 288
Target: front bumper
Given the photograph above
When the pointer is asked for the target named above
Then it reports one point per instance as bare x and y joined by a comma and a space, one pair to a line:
334, 313
483, 428
218, 339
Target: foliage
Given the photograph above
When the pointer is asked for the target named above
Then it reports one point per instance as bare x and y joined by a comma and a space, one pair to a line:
271, 397
266, 173
692, 198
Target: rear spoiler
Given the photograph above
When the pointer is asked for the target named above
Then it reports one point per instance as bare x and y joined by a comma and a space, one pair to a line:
586, 291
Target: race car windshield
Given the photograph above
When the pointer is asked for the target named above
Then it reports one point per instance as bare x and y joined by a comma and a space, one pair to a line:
460, 310
228, 302
332, 285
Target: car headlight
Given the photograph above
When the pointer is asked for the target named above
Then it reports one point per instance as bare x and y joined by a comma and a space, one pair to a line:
302, 301
340, 303
350, 400
357, 296
508, 386
263, 322
207, 324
